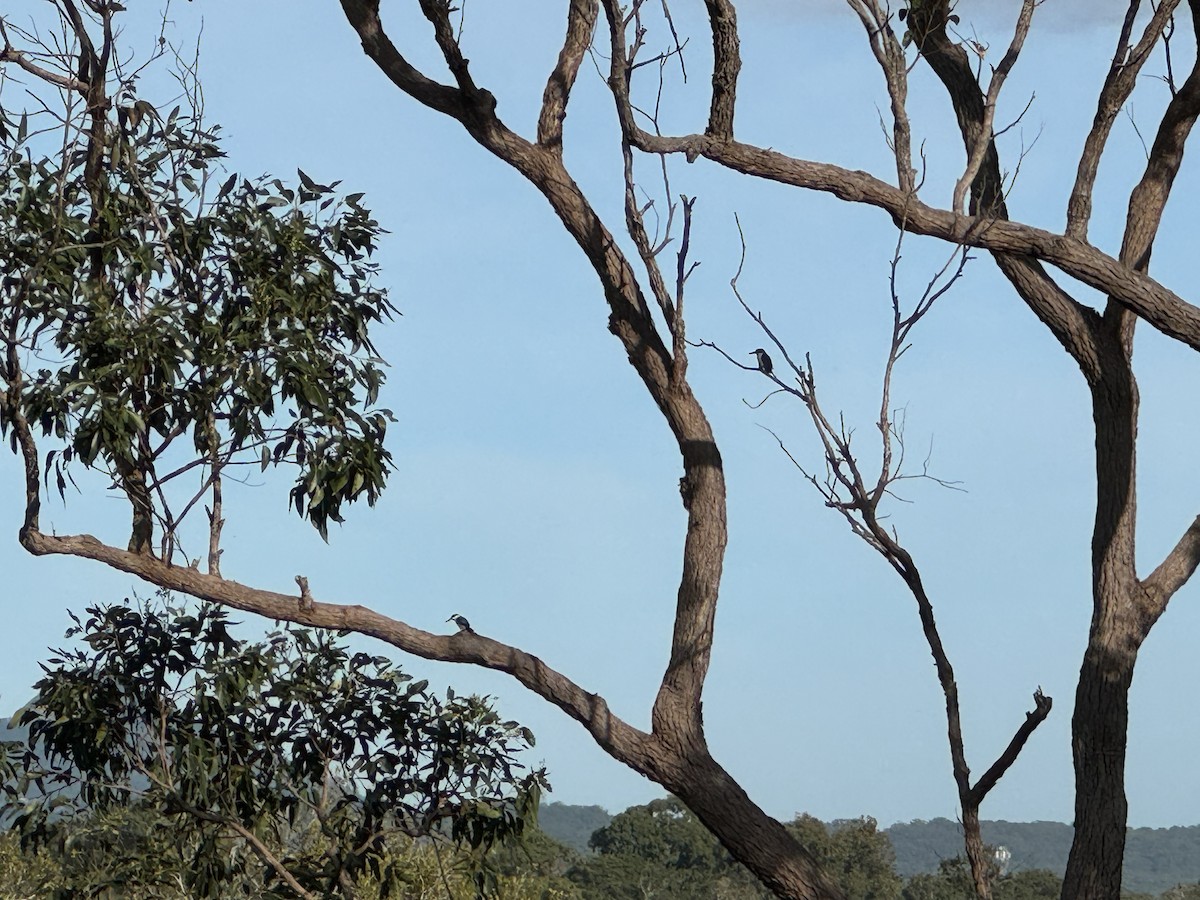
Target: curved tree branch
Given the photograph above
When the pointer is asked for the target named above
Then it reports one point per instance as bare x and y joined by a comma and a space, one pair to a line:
616, 736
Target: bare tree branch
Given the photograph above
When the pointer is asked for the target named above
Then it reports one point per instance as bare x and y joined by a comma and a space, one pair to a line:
617, 737
1149, 197
1122, 76
581, 20
1041, 709
986, 136
890, 55
1173, 572
857, 498
9, 54
363, 15
727, 63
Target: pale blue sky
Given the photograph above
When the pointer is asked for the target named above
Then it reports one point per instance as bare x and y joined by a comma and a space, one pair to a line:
536, 485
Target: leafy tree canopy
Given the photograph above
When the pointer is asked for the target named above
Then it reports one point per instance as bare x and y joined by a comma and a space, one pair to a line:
856, 854
164, 317
246, 747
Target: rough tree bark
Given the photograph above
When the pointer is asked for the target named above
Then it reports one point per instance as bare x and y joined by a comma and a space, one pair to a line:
1124, 606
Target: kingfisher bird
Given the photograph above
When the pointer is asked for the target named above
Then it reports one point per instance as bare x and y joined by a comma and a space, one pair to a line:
764, 362
462, 623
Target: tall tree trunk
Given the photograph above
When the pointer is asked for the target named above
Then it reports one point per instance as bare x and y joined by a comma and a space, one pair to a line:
1100, 723
977, 855
1098, 744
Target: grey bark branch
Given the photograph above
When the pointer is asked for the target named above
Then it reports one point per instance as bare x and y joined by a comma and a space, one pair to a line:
622, 740
1157, 304
889, 53
581, 20
1122, 77
1070, 321
9, 54
363, 15
1149, 198
986, 130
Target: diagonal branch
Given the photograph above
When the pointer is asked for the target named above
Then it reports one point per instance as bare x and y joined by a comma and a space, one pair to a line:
1021, 246
1149, 197
438, 13
617, 737
985, 136
10, 54
581, 20
1041, 709
363, 15
1122, 77
1173, 572
1157, 304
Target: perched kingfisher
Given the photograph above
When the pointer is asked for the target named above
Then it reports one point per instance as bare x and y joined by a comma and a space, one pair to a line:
764, 362
462, 623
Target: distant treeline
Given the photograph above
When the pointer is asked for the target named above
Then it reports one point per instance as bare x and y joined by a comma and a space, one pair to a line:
1155, 858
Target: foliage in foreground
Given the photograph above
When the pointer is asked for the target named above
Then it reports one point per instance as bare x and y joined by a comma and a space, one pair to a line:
658, 850
97, 855
288, 763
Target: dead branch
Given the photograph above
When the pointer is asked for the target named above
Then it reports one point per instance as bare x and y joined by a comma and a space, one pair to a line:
1118, 85
890, 55
985, 136
856, 497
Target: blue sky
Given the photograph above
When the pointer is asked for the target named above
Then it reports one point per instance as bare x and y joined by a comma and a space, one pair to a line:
536, 485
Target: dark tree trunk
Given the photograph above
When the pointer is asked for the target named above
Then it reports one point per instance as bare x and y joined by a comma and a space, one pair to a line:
1098, 744
1100, 722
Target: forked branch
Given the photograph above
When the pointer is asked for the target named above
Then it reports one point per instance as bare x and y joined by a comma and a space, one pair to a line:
986, 130
1118, 85
856, 496
889, 53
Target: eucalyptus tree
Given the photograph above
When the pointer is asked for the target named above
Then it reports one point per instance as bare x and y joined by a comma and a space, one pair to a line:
290, 766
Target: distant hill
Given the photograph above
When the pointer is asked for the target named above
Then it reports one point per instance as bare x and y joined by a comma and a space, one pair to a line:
1155, 858
572, 825
921, 845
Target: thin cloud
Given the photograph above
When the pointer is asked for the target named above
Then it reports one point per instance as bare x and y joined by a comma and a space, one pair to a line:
985, 15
